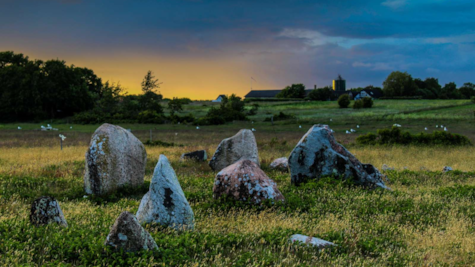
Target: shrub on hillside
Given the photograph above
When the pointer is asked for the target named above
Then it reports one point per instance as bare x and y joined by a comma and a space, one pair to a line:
344, 101
394, 136
367, 102
358, 104
280, 117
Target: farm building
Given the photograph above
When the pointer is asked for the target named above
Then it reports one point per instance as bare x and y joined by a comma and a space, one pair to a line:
219, 99
375, 94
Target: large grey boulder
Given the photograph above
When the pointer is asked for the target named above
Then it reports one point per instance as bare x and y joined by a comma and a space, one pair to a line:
46, 210
310, 241
241, 146
245, 181
281, 164
128, 234
165, 203
318, 154
115, 158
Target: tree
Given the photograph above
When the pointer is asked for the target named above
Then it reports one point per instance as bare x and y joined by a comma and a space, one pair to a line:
399, 84
467, 90
321, 94
344, 101
293, 91
175, 105
149, 83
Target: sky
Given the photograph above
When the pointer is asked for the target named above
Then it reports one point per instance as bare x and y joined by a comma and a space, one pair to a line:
201, 49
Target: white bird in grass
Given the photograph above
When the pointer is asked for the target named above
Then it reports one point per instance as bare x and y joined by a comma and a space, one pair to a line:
197, 128
19, 128
49, 125
331, 120
332, 131
397, 125
425, 128
42, 127
62, 137
300, 126
437, 126
253, 129
352, 130
347, 132
71, 127
445, 129
441, 126
357, 126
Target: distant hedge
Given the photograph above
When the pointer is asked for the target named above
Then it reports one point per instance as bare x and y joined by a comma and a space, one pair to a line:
394, 136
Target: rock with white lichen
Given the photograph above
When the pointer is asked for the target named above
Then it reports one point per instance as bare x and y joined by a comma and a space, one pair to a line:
240, 146
245, 181
129, 235
310, 241
115, 158
165, 203
46, 210
318, 154
281, 164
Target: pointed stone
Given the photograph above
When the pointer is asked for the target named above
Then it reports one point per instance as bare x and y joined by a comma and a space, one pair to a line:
128, 234
115, 158
46, 210
241, 146
165, 203
318, 154
245, 181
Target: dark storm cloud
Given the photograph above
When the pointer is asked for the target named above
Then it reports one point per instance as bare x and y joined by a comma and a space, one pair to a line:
289, 41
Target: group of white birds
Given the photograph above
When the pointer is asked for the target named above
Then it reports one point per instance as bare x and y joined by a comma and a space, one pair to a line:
352, 130
48, 127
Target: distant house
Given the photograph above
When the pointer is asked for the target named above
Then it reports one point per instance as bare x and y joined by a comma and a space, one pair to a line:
219, 99
375, 94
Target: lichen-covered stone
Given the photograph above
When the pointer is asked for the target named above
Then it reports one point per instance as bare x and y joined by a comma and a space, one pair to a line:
281, 164
245, 181
115, 158
241, 146
165, 203
310, 241
199, 155
318, 155
46, 210
129, 235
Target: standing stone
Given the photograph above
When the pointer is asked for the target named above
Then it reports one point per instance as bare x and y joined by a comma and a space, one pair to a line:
46, 210
245, 181
241, 146
318, 154
199, 155
310, 241
165, 203
281, 164
115, 158
128, 234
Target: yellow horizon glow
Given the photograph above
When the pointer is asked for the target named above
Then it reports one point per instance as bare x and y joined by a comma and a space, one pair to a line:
202, 78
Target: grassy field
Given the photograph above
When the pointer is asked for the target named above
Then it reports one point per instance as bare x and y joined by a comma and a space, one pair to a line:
426, 220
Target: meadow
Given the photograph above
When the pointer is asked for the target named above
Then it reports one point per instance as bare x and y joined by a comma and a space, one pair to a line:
426, 220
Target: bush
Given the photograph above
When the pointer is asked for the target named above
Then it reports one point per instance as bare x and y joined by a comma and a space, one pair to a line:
150, 116
280, 117
394, 136
367, 102
344, 101
472, 99
358, 104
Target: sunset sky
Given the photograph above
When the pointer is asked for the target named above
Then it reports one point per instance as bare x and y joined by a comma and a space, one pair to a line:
200, 49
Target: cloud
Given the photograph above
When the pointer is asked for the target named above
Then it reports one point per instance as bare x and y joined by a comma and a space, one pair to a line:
394, 4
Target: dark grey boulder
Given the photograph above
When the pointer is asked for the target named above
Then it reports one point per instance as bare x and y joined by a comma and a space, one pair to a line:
128, 234
318, 154
46, 210
199, 155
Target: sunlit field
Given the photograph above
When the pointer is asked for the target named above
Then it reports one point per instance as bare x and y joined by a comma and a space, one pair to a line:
426, 220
